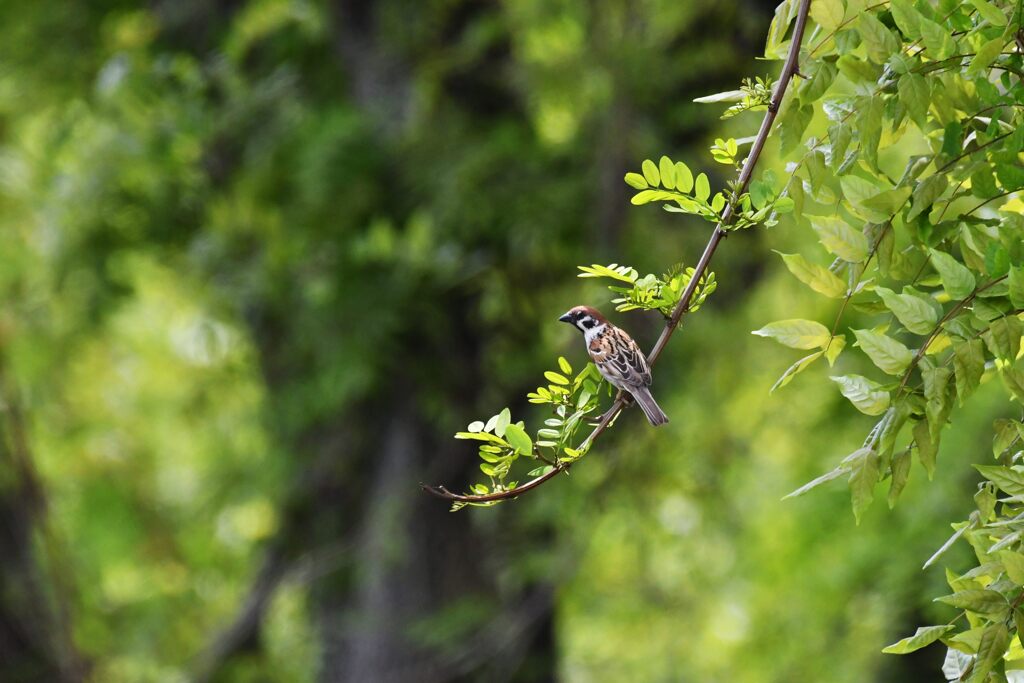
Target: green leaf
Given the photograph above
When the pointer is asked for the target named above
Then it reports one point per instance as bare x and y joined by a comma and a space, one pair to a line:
477, 426
840, 239
637, 181
879, 41
1013, 380
644, 197
865, 395
869, 128
907, 18
1013, 563
1003, 337
480, 436
818, 278
651, 173
1007, 432
926, 192
702, 189
957, 279
504, 418
818, 84
1008, 480
667, 170
784, 14
796, 333
885, 352
684, 177
564, 366
914, 313
927, 449
555, 378
936, 39
994, 641
968, 366
791, 126
727, 96
794, 369
952, 137
818, 481
990, 12
985, 499
827, 13
863, 477
925, 635
947, 545
986, 54
900, 469
1016, 283
834, 348
761, 194
915, 94
979, 601
887, 203
519, 439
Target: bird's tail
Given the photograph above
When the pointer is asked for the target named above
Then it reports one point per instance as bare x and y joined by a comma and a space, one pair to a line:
655, 415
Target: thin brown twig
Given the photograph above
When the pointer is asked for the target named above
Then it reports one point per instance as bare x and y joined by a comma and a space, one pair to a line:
789, 68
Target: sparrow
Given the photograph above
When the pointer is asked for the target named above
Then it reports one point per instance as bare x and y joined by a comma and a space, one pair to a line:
617, 357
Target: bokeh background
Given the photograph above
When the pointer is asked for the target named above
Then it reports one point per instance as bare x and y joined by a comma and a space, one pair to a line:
260, 259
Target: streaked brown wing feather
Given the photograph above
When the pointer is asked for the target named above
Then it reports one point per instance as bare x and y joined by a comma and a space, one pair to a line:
625, 363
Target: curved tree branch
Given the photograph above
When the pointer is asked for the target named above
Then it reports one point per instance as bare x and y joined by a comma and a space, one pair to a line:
789, 69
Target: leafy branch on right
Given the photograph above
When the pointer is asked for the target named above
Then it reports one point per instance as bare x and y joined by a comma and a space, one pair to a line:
912, 182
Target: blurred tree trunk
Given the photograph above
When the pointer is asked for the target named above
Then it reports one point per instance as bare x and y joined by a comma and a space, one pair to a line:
35, 638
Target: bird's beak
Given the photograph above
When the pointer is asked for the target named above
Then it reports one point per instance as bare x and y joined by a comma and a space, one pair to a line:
567, 318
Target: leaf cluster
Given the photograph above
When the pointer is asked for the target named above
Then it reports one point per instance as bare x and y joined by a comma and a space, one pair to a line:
651, 292
673, 182
571, 399
754, 94
930, 256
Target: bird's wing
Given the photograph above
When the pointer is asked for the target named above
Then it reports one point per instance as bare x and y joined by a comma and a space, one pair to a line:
626, 363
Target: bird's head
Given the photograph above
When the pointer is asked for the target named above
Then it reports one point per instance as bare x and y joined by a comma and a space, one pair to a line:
583, 318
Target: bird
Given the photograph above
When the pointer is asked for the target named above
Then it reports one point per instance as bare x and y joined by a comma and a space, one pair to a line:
617, 357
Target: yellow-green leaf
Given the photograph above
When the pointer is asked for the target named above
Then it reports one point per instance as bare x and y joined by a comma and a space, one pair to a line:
555, 378
519, 439
840, 239
828, 13
667, 170
651, 172
794, 369
865, 395
818, 278
796, 333
636, 181
957, 279
885, 352
990, 12
925, 635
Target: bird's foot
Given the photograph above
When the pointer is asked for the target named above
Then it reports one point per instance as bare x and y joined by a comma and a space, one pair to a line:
624, 396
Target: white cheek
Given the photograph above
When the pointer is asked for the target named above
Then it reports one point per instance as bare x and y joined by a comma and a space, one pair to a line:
592, 332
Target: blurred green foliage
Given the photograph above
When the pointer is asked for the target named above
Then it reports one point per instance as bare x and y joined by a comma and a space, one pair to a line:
263, 258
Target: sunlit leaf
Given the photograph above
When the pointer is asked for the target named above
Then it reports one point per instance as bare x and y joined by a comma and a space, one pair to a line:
925, 635
864, 394
796, 333
885, 352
